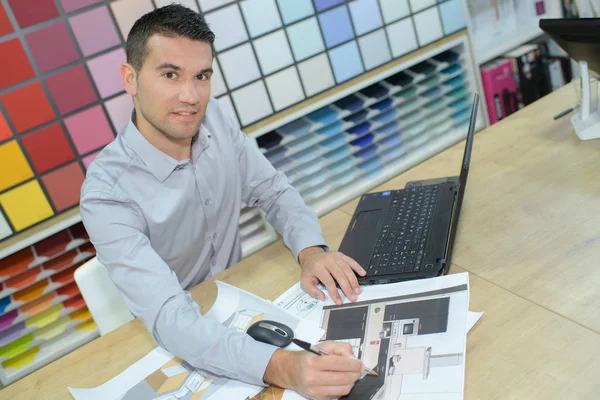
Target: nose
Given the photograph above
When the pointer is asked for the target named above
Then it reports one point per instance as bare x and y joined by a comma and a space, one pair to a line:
189, 93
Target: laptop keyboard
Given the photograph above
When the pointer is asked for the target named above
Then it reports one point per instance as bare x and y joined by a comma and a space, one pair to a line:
403, 240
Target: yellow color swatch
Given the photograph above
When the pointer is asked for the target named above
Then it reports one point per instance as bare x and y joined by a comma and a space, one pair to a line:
87, 326
45, 318
17, 347
22, 359
14, 167
25, 205
53, 330
83, 314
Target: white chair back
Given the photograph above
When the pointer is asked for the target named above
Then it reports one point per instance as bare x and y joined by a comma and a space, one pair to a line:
101, 296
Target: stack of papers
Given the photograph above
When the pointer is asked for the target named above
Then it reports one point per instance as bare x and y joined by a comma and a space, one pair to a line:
412, 333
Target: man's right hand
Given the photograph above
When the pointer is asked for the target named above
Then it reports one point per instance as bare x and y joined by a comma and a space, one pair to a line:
316, 377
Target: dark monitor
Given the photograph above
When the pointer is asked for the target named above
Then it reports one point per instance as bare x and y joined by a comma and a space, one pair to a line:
579, 37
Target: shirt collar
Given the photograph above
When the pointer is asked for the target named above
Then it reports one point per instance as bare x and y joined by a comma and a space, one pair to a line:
160, 164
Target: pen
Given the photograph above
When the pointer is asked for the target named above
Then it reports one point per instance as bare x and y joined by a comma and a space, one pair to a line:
314, 349
562, 114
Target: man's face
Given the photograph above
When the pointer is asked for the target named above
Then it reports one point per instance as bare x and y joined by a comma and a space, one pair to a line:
173, 85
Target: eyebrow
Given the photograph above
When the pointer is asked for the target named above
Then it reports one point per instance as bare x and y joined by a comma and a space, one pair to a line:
176, 68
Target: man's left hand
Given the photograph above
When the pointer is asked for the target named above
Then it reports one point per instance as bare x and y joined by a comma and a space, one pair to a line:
319, 266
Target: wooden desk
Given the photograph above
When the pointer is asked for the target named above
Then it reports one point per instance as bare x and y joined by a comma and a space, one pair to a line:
530, 221
520, 349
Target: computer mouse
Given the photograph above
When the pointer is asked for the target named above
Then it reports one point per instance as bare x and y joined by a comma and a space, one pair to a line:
271, 332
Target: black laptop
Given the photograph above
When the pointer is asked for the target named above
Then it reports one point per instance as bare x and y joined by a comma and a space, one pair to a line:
409, 233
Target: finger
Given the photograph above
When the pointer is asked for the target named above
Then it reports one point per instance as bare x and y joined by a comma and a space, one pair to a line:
334, 378
327, 280
341, 364
355, 266
337, 271
349, 271
309, 285
339, 349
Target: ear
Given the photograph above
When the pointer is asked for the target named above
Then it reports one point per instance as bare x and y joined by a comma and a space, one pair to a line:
129, 78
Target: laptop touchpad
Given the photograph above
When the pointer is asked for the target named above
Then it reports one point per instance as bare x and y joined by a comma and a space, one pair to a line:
367, 220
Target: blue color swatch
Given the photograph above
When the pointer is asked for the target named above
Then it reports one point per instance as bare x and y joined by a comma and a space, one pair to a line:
321, 5
346, 62
365, 15
336, 26
453, 16
295, 10
305, 39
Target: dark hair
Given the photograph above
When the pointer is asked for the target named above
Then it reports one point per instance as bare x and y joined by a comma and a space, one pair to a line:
173, 20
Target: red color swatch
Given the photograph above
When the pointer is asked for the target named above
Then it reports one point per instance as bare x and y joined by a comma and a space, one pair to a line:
15, 66
52, 47
5, 132
15, 262
5, 25
71, 89
48, 148
60, 262
31, 12
68, 290
53, 245
28, 107
65, 276
74, 302
24, 279
64, 185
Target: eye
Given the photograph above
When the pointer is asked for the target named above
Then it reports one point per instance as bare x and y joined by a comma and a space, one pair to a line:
202, 77
169, 75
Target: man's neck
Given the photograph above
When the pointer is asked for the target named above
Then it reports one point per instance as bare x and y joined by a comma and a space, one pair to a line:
177, 149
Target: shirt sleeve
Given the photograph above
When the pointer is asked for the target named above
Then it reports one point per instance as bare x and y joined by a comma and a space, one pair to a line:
153, 293
269, 189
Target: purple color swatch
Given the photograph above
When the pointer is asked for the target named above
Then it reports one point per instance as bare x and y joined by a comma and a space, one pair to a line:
321, 5
52, 47
94, 31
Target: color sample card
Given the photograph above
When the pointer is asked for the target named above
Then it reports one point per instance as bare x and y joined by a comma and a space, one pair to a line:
128, 11
31, 12
71, 89
228, 27
295, 10
89, 130
273, 52
306, 39
285, 88
52, 47
316, 74
18, 103
16, 68
73, 5
12, 159
105, 72
346, 61
5, 132
366, 16
37, 144
25, 205
5, 24
375, 49
119, 110
261, 16
453, 16
64, 185
429, 26
86, 27
393, 10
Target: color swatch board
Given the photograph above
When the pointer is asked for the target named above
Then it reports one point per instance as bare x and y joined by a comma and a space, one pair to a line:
63, 62
40, 303
346, 148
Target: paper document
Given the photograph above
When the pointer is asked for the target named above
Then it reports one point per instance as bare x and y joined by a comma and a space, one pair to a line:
161, 376
413, 334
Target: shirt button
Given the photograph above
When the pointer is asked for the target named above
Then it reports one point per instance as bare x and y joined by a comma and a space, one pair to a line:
206, 202
214, 262
215, 235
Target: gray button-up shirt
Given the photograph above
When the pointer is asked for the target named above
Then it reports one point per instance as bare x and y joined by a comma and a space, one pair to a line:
161, 226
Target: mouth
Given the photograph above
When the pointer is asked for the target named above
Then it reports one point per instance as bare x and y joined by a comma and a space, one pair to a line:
185, 115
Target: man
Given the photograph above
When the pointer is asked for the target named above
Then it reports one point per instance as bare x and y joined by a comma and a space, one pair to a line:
161, 204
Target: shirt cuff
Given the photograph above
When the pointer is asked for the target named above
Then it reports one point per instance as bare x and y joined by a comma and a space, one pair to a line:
257, 356
297, 243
